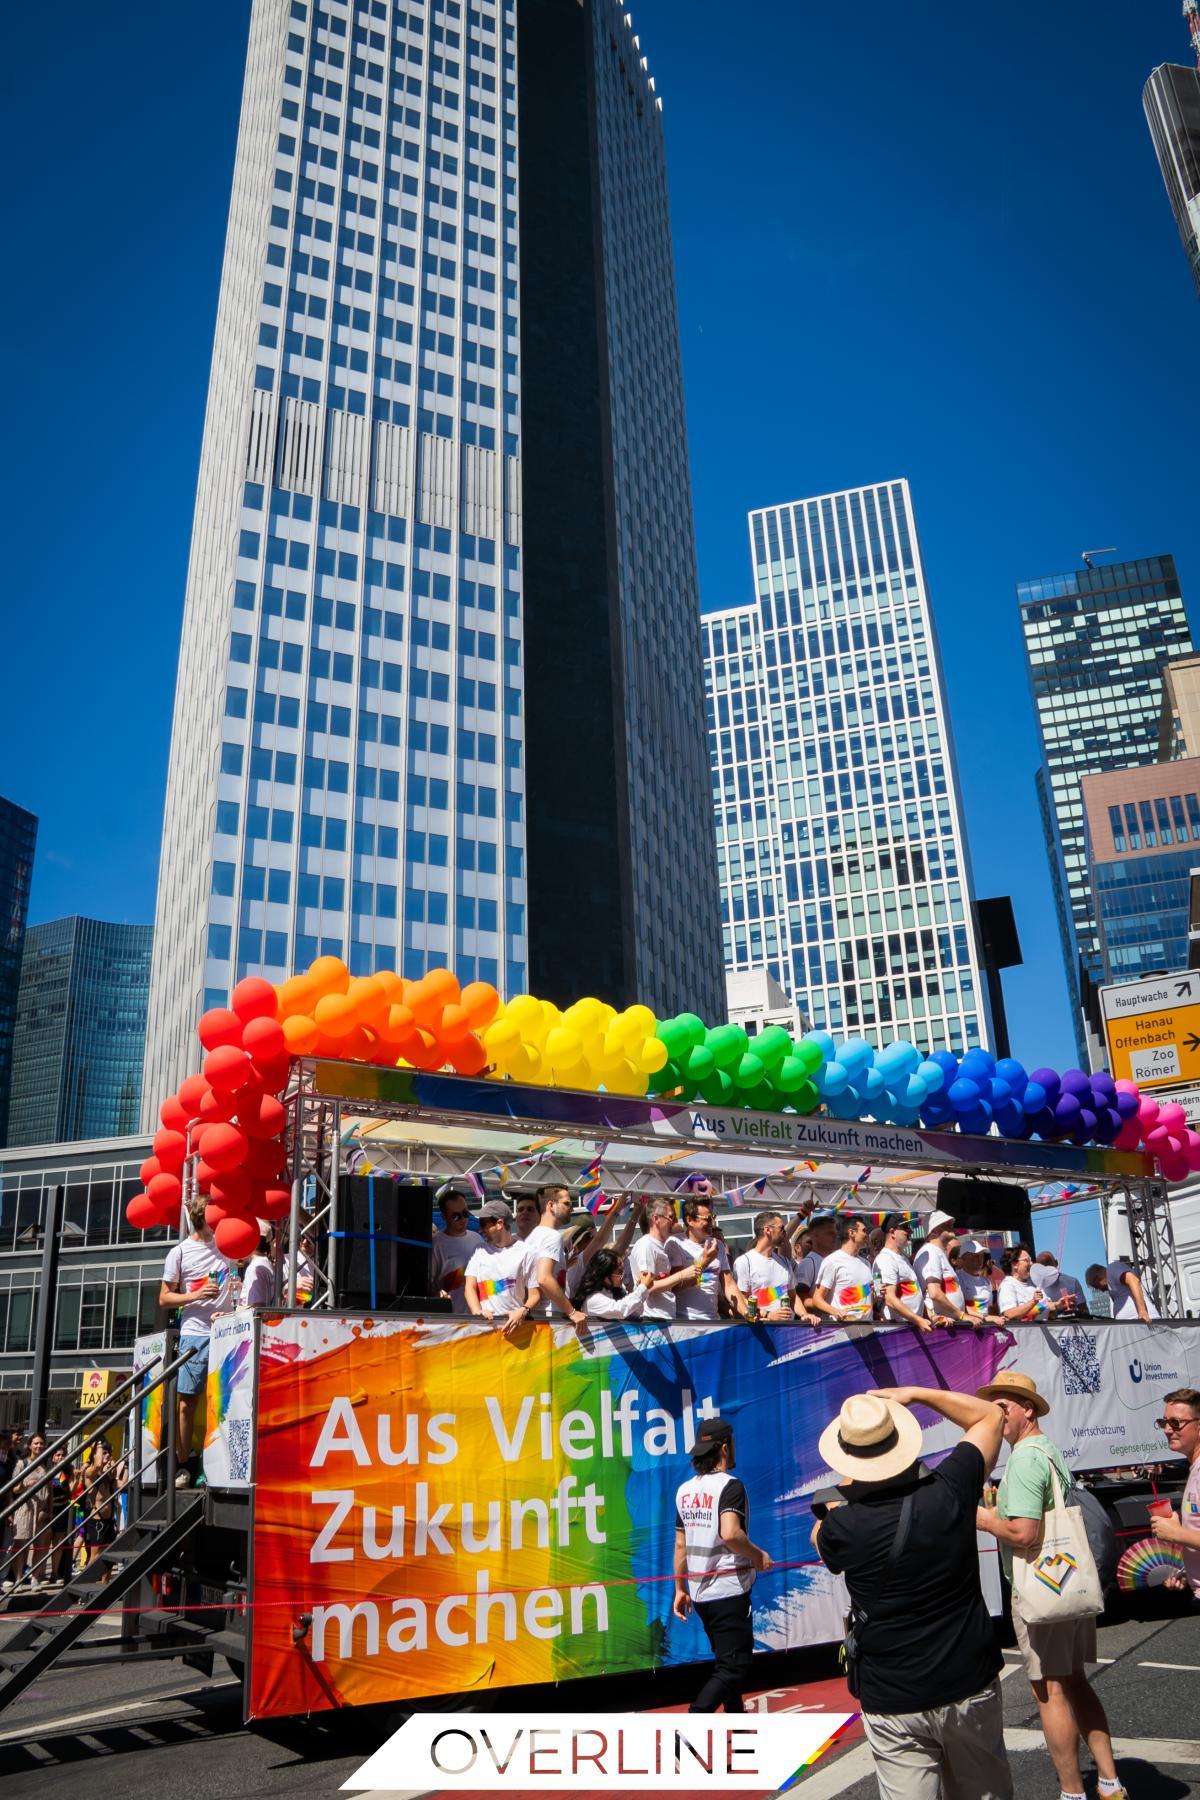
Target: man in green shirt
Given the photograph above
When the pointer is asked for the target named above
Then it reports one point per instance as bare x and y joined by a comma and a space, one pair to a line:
1055, 1655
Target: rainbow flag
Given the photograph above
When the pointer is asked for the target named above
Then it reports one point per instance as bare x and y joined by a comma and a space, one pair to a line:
770, 1296
493, 1286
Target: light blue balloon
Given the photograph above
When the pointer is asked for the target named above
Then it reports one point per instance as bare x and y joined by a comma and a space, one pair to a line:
844, 1106
823, 1042
856, 1055
872, 1085
933, 1075
912, 1092
834, 1078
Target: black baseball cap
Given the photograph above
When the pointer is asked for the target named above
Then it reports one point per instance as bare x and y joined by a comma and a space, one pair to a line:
711, 1432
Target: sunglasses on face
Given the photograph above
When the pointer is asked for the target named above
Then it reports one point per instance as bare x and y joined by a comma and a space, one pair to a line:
453, 1217
486, 1222
1175, 1424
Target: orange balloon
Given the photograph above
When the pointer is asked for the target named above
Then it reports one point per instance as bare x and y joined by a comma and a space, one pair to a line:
481, 1002
335, 1015
297, 995
369, 997
399, 1031
469, 1057
455, 1024
427, 1053
300, 1034
392, 984
359, 1046
328, 975
427, 997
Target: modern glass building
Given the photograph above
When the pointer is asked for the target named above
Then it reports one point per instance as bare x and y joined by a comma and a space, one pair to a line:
1096, 641
18, 838
438, 693
1142, 831
840, 843
80, 1032
1171, 99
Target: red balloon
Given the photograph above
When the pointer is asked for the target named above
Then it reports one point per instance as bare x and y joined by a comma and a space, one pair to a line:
226, 1068
264, 1158
237, 1238
142, 1213
273, 1075
149, 1169
468, 1056
170, 1147
254, 998
219, 1027
166, 1190
191, 1093
205, 1175
216, 1108
224, 1148
232, 1189
213, 1214
262, 1118
174, 1116
263, 1039
276, 1203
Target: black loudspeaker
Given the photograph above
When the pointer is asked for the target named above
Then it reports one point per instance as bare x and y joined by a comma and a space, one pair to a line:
386, 1228
986, 1205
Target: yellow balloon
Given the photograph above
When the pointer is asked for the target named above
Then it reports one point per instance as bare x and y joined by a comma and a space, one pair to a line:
645, 1020
525, 1013
653, 1056
563, 1048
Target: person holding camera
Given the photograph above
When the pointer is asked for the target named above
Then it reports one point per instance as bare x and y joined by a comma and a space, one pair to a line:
922, 1656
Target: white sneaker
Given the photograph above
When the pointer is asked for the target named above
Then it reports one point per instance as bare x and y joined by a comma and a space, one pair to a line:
183, 1479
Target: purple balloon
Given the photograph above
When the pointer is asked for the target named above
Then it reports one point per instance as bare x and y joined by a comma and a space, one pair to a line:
1103, 1084
1048, 1079
1077, 1083
1066, 1112
1044, 1122
1126, 1104
1108, 1124
1087, 1120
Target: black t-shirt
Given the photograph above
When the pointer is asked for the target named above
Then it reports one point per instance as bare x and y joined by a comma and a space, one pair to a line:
929, 1640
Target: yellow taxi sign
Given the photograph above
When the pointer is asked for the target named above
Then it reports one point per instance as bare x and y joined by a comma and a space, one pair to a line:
1153, 1029
94, 1388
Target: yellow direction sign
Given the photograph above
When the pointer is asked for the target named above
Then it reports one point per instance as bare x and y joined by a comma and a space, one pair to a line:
94, 1388
1153, 1029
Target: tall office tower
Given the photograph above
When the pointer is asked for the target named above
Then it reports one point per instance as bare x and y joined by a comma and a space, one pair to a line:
438, 694
840, 843
1171, 99
80, 1032
1096, 641
18, 838
1142, 834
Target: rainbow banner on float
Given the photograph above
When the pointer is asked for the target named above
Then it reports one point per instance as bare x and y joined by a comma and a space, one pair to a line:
457, 1510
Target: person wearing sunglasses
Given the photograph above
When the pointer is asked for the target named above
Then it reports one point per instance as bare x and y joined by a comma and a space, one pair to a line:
1181, 1423
499, 1284
453, 1247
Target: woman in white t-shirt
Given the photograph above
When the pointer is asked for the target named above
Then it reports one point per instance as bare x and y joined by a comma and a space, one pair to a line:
1021, 1303
979, 1296
602, 1292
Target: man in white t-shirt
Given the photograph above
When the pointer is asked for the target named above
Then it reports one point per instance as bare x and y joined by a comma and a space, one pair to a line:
845, 1288
258, 1276
550, 1257
1124, 1290
714, 1278
903, 1301
453, 1246
498, 1283
200, 1281
938, 1277
766, 1275
650, 1256
823, 1231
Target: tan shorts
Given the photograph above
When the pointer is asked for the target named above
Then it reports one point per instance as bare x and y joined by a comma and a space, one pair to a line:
1051, 1652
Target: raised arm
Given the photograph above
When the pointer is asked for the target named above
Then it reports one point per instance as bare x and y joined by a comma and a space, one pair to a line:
980, 1421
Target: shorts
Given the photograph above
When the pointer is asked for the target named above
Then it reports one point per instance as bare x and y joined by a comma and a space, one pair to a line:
190, 1379
99, 1531
1052, 1652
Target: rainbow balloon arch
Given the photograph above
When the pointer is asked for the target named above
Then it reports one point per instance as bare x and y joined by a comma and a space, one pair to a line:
230, 1119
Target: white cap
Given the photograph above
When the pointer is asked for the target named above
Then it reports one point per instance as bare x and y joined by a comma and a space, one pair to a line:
937, 1220
970, 1246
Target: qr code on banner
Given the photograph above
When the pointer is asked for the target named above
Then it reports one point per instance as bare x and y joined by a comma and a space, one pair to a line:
239, 1449
1080, 1362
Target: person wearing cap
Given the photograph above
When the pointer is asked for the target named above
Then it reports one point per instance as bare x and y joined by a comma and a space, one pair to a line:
1055, 1654
903, 1301
927, 1661
453, 1245
939, 1281
499, 1284
715, 1564
979, 1296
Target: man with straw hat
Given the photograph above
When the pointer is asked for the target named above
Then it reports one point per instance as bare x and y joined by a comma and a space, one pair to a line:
922, 1655
1055, 1654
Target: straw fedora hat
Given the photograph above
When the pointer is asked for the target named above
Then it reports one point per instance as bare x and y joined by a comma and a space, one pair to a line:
1014, 1386
871, 1439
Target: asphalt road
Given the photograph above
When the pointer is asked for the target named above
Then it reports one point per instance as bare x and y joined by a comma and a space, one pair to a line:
161, 1730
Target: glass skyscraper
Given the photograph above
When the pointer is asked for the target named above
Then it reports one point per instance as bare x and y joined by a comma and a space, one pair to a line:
840, 844
1171, 99
18, 838
80, 1032
438, 694
1096, 641
1142, 831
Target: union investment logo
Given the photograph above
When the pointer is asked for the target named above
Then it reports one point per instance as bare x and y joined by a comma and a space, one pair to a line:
764, 1753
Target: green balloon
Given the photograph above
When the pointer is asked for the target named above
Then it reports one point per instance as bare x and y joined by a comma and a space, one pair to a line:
763, 1098
771, 1046
728, 1044
791, 1075
749, 1071
718, 1089
700, 1063
810, 1056
665, 1079
681, 1034
805, 1099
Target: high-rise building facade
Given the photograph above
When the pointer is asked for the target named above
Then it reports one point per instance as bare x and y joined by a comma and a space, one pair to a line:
80, 1032
1171, 99
1096, 641
1142, 832
1179, 720
438, 694
18, 839
840, 844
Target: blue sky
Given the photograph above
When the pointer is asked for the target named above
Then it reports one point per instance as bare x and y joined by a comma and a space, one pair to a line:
928, 240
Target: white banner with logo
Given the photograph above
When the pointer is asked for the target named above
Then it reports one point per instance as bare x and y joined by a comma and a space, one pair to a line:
147, 1416
230, 1394
1106, 1384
